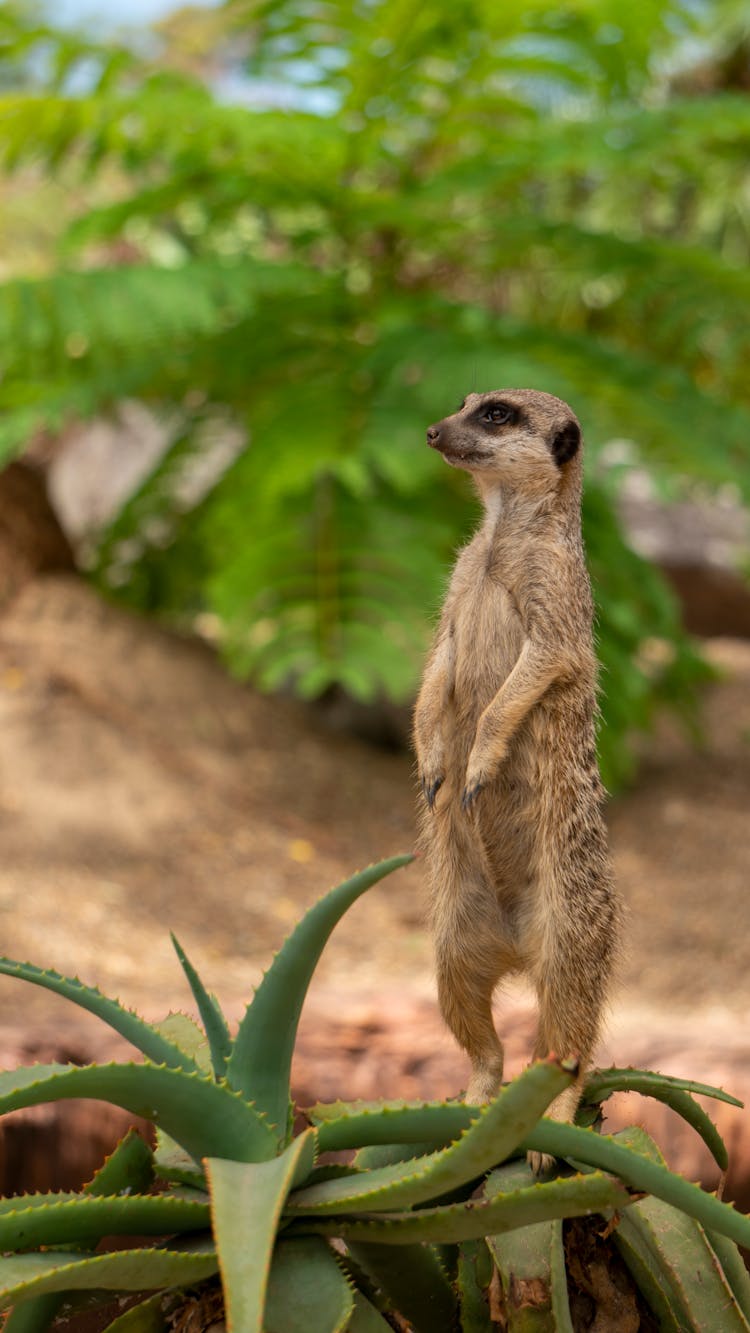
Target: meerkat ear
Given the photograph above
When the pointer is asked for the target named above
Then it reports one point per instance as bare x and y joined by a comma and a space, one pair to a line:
566, 442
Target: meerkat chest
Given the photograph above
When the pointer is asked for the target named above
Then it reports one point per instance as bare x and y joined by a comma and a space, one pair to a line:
488, 634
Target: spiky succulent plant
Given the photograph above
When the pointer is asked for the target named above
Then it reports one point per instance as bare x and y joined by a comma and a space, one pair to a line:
436, 1207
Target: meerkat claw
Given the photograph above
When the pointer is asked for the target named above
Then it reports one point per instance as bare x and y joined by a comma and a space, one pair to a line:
470, 795
541, 1163
431, 790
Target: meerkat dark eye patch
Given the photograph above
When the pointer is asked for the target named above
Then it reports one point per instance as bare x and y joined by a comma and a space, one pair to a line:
566, 442
497, 414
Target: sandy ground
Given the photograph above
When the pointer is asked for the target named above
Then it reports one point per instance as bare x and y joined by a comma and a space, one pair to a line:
142, 790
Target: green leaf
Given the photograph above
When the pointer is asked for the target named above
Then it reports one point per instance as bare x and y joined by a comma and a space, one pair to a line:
691, 1280
673, 1093
531, 1263
365, 1318
733, 1268
599, 1150
146, 1317
173, 1164
307, 1291
472, 1282
182, 1029
575, 1196
49, 1220
33, 1315
414, 1281
672, 1247
492, 1136
144, 1037
356, 1125
601, 1083
217, 1031
387, 1154
129, 1168
246, 1203
262, 1053
25, 1275
205, 1118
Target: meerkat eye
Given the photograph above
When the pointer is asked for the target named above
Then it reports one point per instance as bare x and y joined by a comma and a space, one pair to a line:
499, 415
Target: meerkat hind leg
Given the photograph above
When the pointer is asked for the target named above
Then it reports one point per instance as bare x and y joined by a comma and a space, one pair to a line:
569, 1017
470, 962
466, 1005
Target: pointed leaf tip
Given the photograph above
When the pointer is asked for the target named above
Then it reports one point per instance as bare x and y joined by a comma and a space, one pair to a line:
214, 1022
260, 1063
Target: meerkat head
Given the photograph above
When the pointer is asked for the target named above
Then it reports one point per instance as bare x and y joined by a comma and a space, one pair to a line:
520, 437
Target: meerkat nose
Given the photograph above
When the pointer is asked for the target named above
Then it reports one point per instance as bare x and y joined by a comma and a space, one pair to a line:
433, 435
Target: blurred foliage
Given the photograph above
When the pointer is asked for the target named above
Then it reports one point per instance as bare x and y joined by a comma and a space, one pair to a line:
364, 210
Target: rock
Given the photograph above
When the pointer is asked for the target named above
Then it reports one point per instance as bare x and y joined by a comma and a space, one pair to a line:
31, 539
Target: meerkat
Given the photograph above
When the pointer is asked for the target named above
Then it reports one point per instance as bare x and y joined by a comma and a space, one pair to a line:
505, 734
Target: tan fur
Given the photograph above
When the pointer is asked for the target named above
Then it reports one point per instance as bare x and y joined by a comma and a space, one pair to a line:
504, 729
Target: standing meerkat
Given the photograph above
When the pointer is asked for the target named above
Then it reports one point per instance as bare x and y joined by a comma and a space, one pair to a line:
505, 734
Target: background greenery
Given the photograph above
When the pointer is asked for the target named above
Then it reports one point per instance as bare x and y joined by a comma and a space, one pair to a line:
325, 221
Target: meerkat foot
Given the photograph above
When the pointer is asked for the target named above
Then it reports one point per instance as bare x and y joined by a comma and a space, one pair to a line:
540, 1162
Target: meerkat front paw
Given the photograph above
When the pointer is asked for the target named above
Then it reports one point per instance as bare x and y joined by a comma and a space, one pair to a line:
480, 771
471, 791
431, 786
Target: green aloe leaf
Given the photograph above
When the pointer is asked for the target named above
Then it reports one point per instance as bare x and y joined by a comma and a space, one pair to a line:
734, 1269
474, 1274
217, 1030
246, 1203
48, 1220
575, 1196
129, 1167
531, 1263
366, 1124
700, 1121
176, 1166
675, 1093
386, 1154
683, 1270
183, 1031
601, 1083
307, 1291
33, 1315
599, 1150
365, 1318
677, 1270
497, 1129
146, 1317
129, 1024
261, 1057
414, 1281
206, 1119
23, 1275
651, 1282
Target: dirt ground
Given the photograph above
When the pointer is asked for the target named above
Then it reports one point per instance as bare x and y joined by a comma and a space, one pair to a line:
141, 790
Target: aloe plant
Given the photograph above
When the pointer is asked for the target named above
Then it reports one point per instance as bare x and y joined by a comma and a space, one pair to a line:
435, 1202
